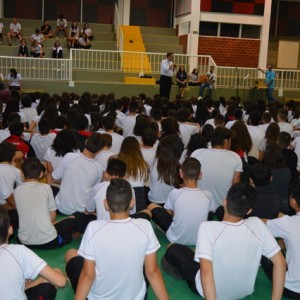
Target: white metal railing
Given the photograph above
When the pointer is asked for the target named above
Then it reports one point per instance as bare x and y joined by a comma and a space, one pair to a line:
248, 77
117, 24
37, 68
116, 60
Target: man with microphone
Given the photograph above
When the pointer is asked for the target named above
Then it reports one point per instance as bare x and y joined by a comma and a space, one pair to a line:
167, 69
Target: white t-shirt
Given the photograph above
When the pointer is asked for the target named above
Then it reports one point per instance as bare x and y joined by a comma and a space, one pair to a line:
257, 135
17, 264
50, 156
287, 228
191, 208
103, 157
118, 248
159, 190
14, 81
117, 141
149, 155
127, 124
79, 174
41, 143
229, 124
34, 213
1, 27
9, 175
15, 27
61, 23
218, 167
264, 127
186, 130
96, 201
4, 134
37, 37
262, 145
235, 250
29, 113
287, 127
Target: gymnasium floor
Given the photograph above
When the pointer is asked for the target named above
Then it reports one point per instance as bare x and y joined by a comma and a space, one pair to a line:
178, 290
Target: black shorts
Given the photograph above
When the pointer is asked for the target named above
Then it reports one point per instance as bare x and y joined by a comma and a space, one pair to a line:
45, 291
73, 270
162, 218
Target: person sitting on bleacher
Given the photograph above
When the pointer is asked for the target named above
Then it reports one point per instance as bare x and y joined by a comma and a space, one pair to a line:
84, 42
57, 50
23, 49
37, 36
37, 49
87, 30
46, 30
15, 31
61, 25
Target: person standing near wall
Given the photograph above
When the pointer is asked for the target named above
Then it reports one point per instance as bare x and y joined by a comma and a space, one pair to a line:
270, 81
167, 68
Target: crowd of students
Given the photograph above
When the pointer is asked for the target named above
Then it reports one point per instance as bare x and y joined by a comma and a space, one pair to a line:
208, 173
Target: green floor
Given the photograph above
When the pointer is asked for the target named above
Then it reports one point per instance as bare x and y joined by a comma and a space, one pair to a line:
178, 290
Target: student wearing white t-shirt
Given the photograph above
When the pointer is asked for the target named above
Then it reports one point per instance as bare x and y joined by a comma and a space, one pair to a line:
105, 154
282, 119
79, 172
14, 31
220, 167
37, 215
19, 264
287, 228
43, 140
120, 248
228, 253
186, 208
127, 123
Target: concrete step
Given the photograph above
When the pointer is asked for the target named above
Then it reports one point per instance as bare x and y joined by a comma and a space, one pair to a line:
160, 39
158, 31
162, 48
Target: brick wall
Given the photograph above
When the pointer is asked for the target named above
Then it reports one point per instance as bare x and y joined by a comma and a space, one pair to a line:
230, 52
183, 41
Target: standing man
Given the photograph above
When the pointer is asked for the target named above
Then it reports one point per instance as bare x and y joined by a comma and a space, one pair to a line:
209, 82
167, 68
270, 81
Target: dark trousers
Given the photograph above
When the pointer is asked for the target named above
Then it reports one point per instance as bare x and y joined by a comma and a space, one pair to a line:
182, 258
267, 266
165, 86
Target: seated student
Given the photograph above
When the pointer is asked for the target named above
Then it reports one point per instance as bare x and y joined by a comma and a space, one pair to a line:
14, 31
87, 30
9, 177
84, 42
37, 225
80, 126
282, 121
20, 266
16, 133
229, 252
57, 50
46, 30
108, 123
37, 49
186, 208
61, 26
79, 172
148, 149
106, 152
117, 247
268, 202
116, 168
43, 140
23, 48
5, 133
72, 40
37, 36
287, 228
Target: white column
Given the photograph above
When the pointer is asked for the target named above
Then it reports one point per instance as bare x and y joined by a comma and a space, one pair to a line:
264, 40
193, 37
124, 11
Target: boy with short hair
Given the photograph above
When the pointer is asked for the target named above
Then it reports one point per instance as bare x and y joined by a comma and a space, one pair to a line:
282, 121
185, 208
19, 264
117, 247
42, 140
229, 252
106, 151
37, 211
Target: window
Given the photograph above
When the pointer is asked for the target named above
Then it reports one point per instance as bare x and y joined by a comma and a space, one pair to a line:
251, 31
208, 28
230, 30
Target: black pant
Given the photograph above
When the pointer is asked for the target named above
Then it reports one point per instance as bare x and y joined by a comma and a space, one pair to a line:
45, 291
82, 221
267, 266
182, 258
165, 86
65, 229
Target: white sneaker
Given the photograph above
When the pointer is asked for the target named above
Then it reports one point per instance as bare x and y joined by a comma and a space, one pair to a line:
200, 98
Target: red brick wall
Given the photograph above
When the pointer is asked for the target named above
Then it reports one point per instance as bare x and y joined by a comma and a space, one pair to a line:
183, 41
230, 52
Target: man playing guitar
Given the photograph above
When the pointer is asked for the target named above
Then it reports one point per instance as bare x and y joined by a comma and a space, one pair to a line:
209, 82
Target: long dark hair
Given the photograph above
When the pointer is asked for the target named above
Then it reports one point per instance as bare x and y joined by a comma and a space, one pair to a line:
13, 73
